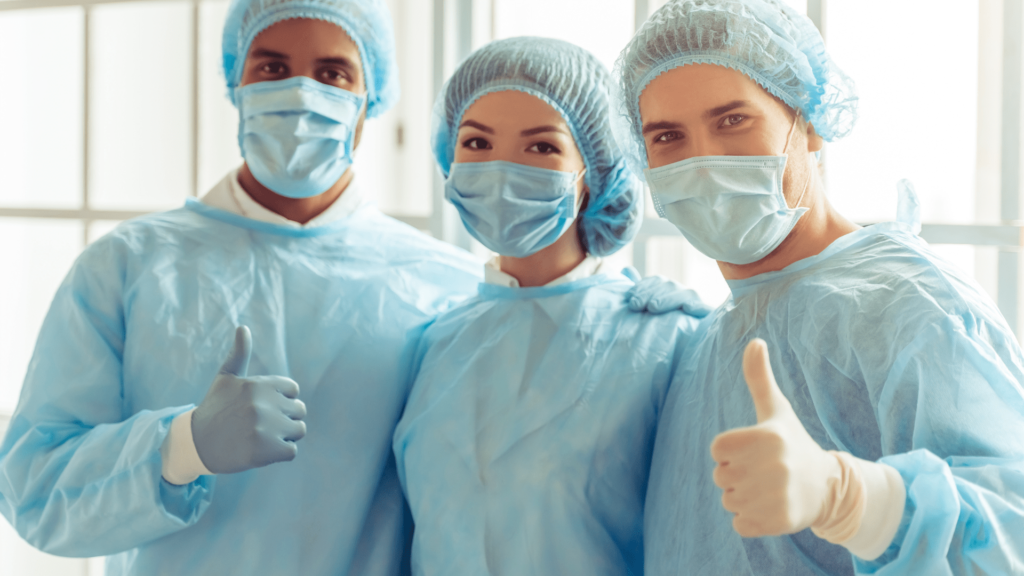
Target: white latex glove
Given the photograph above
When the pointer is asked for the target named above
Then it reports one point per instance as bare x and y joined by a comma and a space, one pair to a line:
776, 478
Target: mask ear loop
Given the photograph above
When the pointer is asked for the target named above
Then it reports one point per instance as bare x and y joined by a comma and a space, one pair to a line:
807, 181
579, 201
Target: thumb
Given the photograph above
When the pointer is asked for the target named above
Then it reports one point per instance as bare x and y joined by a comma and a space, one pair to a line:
757, 370
237, 362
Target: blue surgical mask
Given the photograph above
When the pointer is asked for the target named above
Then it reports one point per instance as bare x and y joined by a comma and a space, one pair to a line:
297, 135
512, 209
731, 208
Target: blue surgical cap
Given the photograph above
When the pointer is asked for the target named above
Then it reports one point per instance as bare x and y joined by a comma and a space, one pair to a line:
767, 40
367, 23
578, 87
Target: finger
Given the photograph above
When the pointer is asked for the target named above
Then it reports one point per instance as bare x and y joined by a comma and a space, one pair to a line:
631, 273
747, 527
285, 451
678, 299
640, 295
757, 370
294, 409
734, 444
286, 386
737, 501
293, 431
727, 476
237, 362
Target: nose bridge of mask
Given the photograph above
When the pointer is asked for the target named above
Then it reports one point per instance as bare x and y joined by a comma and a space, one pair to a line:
300, 94
708, 176
543, 181
513, 209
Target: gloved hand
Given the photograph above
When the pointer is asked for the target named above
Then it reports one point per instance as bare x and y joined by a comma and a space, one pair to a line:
658, 295
776, 478
247, 422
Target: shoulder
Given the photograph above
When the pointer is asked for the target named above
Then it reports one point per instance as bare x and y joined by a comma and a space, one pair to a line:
139, 235
894, 277
404, 243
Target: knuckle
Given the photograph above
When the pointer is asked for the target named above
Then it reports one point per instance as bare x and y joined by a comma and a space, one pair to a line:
291, 450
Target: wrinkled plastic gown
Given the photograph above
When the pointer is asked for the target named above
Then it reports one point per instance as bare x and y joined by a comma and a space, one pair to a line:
526, 443
885, 351
135, 336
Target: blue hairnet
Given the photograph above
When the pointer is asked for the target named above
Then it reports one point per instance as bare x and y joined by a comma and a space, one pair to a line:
367, 22
770, 42
578, 86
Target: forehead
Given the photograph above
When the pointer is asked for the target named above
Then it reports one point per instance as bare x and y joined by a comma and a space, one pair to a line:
695, 88
512, 108
305, 37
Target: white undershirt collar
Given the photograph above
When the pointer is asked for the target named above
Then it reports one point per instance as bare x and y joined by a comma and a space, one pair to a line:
590, 266
228, 195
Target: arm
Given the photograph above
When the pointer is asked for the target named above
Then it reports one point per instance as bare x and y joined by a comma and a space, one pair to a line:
951, 414
78, 475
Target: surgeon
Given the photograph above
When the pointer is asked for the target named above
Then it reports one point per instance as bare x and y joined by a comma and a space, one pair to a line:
856, 405
526, 442
215, 388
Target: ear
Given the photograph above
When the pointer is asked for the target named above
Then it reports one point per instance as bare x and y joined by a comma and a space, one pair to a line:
814, 142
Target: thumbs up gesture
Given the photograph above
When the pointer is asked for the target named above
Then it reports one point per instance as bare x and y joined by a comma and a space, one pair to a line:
775, 477
247, 421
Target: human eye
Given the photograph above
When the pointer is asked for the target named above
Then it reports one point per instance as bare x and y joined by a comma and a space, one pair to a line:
670, 136
733, 119
274, 68
543, 148
334, 76
476, 143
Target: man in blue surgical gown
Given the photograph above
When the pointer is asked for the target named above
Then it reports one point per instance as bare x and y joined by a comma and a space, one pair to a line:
856, 405
164, 416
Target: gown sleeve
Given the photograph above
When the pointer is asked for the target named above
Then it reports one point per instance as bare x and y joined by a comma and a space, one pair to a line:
951, 415
79, 476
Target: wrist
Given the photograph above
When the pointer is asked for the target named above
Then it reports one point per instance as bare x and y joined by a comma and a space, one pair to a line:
181, 462
884, 502
843, 509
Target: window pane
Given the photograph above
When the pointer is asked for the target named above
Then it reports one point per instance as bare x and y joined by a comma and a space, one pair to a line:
41, 146
413, 179
140, 106
99, 228
218, 119
601, 26
914, 122
38, 253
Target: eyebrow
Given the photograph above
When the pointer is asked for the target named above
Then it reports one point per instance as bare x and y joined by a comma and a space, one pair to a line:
541, 130
264, 53
477, 125
725, 108
338, 61
664, 125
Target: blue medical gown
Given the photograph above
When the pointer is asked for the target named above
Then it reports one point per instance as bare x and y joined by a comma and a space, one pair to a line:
135, 336
526, 443
885, 351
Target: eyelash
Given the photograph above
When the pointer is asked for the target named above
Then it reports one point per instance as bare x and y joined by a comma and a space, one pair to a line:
741, 118
265, 68
279, 68
553, 149
662, 137
467, 143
